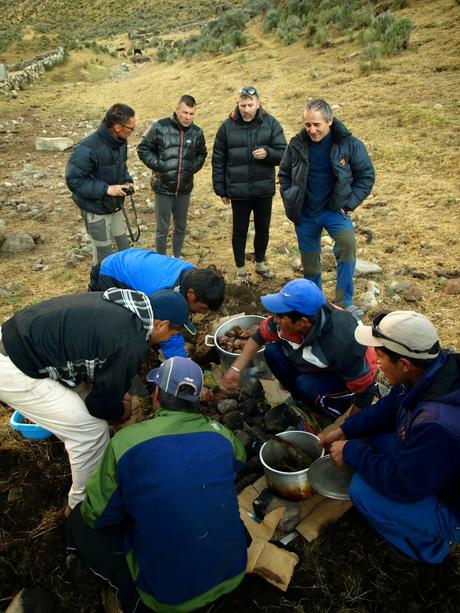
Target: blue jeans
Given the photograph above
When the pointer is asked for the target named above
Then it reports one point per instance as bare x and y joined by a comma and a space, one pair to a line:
339, 227
423, 530
326, 392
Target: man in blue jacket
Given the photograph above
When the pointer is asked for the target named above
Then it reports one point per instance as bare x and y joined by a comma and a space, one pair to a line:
325, 174
408, 471
160, 521
99, 180
149, 272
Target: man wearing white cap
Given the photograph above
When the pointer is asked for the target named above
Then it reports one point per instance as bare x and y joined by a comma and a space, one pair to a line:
408, 473
164, 496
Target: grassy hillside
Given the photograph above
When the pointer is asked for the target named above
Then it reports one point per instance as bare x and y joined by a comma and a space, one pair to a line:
28, 26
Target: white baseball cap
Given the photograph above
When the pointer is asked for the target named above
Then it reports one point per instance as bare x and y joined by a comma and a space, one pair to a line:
405, 332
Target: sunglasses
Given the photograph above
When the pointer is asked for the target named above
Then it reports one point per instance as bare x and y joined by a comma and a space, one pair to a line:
128, 127
249, 91
377, 333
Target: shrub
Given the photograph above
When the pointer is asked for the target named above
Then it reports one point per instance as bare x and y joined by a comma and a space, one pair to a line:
396, 38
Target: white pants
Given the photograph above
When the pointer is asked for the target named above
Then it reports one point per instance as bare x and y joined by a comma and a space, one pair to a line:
61, 411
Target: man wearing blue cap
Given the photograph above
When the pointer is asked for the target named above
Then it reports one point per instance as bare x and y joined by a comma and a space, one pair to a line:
311, 350
67, 364
164, 495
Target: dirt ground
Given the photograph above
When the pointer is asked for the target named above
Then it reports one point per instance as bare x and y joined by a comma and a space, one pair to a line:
409, 226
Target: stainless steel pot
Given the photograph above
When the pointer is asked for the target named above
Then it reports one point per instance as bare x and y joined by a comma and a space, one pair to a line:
257, 369
290, 485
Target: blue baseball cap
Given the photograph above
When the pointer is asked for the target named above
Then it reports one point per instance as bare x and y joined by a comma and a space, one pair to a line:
298, 295
172, 306
174, 373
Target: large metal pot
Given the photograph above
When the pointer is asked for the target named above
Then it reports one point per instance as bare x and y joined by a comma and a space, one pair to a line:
290, 485
257, 368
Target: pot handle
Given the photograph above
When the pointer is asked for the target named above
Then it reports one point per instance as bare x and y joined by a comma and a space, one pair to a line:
206, 339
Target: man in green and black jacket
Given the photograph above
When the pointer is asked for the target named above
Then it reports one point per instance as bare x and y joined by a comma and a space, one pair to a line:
164, 496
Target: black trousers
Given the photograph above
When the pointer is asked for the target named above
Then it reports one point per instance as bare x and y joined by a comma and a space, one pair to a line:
102, 551
262, 208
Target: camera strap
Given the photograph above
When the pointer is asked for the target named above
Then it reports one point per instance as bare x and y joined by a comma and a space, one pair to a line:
133, 236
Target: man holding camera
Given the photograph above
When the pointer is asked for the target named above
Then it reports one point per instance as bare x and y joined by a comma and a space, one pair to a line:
99, 180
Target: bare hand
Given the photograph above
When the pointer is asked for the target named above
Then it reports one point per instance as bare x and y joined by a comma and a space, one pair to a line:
259, 154
225, 200
127, 404
336, 452
231, 381
116, 190
326, 439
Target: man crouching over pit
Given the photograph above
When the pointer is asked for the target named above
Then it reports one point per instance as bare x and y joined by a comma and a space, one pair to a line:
160, 521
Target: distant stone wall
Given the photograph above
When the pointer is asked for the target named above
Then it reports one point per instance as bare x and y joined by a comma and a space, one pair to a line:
21, 74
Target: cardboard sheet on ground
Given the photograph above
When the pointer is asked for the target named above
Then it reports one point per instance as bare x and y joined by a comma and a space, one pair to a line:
276, 565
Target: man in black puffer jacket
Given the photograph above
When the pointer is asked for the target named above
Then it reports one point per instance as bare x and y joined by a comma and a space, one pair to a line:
175, 149
248, 146
98, 178
325, 173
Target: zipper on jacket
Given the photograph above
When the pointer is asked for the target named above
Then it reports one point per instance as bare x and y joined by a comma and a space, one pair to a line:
181, 146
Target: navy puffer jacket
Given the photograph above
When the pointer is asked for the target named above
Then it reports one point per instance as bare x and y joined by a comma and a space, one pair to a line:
174, 154
350, 162
99, 160
236, 173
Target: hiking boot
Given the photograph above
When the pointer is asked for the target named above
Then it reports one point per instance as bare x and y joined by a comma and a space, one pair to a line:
109, 600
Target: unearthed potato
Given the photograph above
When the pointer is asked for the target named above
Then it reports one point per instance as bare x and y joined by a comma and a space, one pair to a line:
235, 338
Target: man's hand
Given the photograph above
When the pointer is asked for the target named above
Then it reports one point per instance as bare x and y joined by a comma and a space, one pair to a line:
116, 190
231, 381
127, 404
259, 154
225, 199
132, 186
325, 440
336, 451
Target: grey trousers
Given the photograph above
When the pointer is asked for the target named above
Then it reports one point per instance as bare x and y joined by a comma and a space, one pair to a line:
103, 230
164, 206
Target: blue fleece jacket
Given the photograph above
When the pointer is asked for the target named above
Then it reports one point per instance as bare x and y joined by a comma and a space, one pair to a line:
425, 419
148, 272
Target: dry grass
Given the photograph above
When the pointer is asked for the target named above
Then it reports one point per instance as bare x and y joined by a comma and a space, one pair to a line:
413, 212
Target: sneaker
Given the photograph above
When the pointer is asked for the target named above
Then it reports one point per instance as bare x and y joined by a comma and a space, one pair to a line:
356, 311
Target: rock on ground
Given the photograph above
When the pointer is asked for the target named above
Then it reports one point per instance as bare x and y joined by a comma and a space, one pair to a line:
55, 144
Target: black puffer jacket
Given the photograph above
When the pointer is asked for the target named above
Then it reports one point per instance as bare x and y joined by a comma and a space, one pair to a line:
174, 154
235, 172
99, 160
350, 163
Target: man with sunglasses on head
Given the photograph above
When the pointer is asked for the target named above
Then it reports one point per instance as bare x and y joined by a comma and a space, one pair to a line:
174, 149
405, 449
99, 180
248, 146
325, 174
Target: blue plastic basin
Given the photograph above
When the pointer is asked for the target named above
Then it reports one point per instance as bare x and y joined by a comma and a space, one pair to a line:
32, 431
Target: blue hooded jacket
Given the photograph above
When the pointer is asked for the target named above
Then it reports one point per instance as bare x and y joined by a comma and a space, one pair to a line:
425, 419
